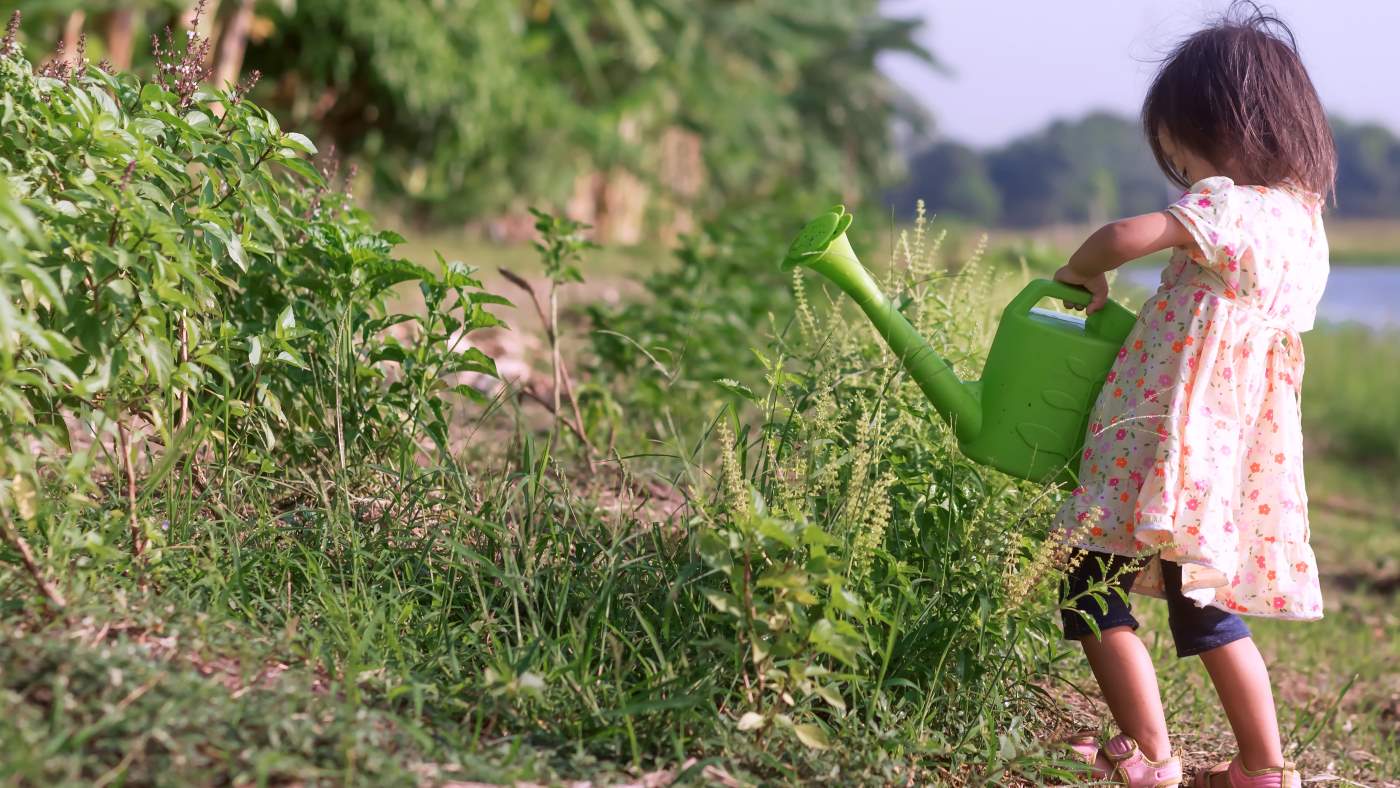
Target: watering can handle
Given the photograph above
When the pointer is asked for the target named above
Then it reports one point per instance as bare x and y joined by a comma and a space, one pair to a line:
1038, 289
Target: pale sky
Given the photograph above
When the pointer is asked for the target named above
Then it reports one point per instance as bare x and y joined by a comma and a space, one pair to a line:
1018, 64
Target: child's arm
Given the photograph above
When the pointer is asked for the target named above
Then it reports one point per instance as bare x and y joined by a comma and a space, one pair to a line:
1115, 244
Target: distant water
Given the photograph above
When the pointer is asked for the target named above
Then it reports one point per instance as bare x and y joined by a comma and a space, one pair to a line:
1365, 294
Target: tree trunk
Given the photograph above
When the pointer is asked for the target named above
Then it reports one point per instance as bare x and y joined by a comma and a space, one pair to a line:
233, 43
208, 28
72, 31
120, 33
622, 215
206, 22
682, 174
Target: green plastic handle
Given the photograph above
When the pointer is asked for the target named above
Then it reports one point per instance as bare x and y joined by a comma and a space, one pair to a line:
1037, 289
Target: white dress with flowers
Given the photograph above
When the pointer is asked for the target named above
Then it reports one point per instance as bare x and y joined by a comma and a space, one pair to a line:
1195, 446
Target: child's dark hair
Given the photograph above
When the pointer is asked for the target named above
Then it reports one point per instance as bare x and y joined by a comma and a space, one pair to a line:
1237, 93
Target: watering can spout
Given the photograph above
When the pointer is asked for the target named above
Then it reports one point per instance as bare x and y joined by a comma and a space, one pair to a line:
823, 247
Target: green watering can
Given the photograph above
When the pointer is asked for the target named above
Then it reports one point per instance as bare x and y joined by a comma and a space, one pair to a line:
1029, 413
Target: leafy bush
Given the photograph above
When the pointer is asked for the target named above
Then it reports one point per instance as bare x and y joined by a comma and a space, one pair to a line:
870, 577
881, 569
699, 319
176, 274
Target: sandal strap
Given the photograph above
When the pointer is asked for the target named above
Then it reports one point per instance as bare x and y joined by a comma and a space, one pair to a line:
1289, 777
1123, 756
1287, 767
1168, 773
1084, 746
1083, 736
1165, 773
1205, 777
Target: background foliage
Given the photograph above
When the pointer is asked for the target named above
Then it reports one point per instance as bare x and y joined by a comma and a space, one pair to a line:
498, 99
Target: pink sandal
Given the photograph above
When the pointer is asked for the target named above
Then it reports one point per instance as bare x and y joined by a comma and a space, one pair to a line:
1085, 744
1229, 774
1122, 762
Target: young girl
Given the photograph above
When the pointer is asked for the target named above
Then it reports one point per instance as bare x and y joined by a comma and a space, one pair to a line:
1193, 463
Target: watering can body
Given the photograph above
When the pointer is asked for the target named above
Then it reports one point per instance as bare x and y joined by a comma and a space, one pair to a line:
1029, 413
1042, 377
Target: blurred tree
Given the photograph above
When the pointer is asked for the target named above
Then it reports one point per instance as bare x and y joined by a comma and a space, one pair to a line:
232, 43
951, 178
115, 29
119, 33
1099, 167
1077, 171
466, 107
1368, 170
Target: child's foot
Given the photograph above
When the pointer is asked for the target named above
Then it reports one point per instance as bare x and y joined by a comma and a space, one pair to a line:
1122, 762
1131, 768
1086, 747
1232, 774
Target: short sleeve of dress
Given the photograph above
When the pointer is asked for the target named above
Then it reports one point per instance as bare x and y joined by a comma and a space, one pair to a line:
1211, 212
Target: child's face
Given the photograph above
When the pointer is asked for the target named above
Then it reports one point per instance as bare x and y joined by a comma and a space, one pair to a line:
1191, 166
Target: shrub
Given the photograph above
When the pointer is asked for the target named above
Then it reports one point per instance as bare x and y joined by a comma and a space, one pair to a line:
178, 276
883, 571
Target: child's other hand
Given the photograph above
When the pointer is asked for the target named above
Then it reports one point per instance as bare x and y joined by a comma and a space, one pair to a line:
1097, 285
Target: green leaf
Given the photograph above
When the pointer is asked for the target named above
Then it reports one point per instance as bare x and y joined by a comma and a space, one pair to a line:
735, 387
26, 498
778, 531
715, 551
152, 94
303, 169
751, 721
270, 222
837, 640
831, 696
300, 141
292, 357
848, 602
217, 363
814, 536
812, 736
785, 577
724, 603
235, 253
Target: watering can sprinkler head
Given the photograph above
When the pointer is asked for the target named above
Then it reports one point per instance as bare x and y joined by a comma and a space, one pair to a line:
824, 235
1028, 414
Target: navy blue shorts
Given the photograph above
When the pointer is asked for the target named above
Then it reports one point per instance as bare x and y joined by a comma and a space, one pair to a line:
1194, 629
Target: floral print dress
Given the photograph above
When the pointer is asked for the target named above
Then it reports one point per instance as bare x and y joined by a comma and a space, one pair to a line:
1194, 452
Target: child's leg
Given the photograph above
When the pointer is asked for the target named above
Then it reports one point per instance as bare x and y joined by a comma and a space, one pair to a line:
1242, 682
1129, 683
1236, 669
1119, 660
